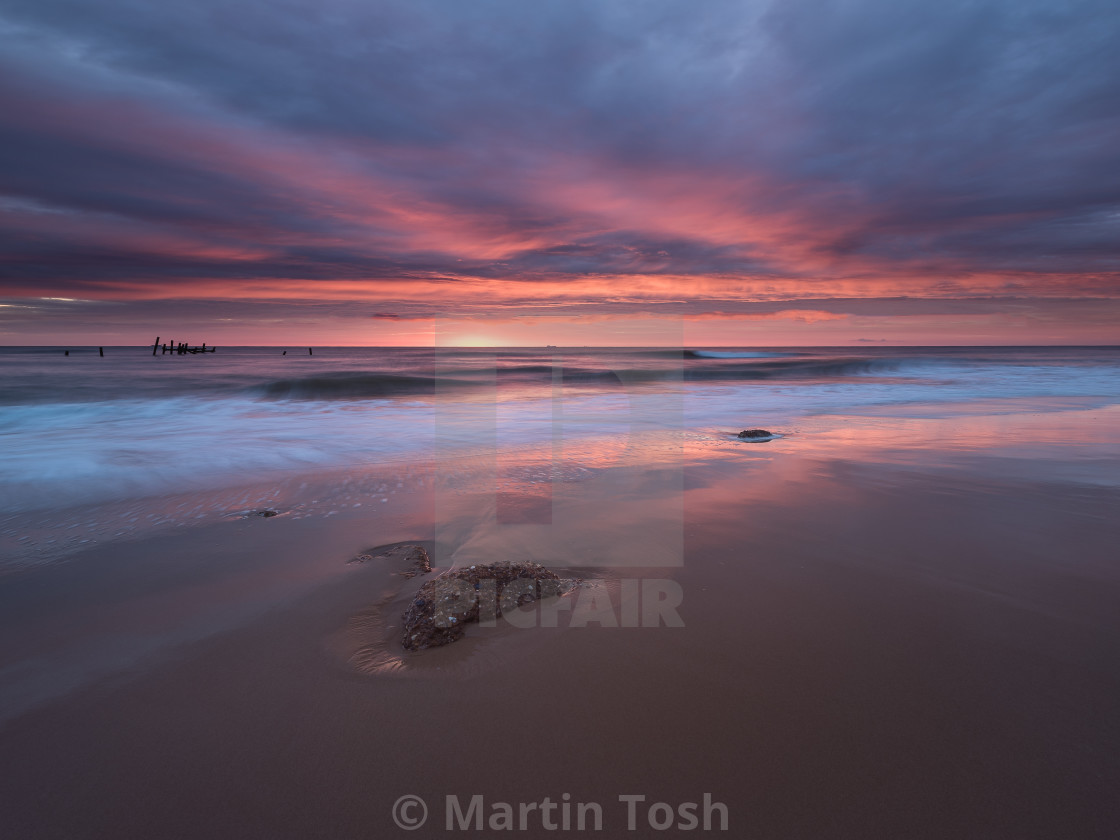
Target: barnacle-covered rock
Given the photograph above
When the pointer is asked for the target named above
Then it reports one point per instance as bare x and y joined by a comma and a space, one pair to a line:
444, 605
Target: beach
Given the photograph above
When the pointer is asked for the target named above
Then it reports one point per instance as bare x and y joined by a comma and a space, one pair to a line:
900, 618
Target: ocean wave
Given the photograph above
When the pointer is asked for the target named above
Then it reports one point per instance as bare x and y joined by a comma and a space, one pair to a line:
734, 354
163, 424
330, 386
797, 368
371, 385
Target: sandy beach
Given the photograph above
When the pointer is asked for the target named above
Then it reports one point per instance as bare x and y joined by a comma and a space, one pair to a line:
887, 632
423, 418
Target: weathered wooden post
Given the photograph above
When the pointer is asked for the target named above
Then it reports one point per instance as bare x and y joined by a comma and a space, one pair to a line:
155, 346
309, 353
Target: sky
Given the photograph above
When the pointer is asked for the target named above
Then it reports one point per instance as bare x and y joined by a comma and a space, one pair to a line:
591, 172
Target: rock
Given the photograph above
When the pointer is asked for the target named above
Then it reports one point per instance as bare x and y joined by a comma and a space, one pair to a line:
414, 556
442, 606
419, 562
755, 433
265, 513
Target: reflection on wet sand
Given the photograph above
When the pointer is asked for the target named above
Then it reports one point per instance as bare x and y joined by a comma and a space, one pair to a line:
909, 623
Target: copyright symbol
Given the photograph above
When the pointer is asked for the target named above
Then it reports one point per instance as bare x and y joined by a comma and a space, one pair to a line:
405, 812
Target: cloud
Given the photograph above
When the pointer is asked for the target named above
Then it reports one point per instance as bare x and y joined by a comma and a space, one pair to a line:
569, 154
807, 316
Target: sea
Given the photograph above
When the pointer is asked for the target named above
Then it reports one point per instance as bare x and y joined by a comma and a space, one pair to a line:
84, 429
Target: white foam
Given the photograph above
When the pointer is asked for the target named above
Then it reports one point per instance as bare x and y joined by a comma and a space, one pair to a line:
61, 454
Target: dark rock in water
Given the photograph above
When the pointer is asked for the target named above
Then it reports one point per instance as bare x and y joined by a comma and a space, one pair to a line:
755, 433
442, 606
265, 513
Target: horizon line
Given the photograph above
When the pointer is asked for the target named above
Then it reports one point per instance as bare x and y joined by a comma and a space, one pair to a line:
853, 345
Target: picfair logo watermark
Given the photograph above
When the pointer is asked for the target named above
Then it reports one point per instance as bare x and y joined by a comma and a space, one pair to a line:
552, 454
528, 602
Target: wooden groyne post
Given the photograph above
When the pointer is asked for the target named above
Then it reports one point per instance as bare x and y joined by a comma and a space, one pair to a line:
181, 349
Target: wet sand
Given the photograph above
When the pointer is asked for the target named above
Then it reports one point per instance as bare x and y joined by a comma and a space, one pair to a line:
880, 640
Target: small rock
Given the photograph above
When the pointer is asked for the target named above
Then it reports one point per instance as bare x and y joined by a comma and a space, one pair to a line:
421, 564
755, 433
413, 555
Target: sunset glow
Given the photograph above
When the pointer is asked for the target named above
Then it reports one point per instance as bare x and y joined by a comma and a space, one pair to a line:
640, 417
702, 173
